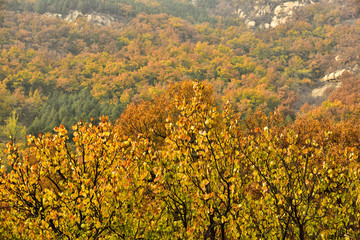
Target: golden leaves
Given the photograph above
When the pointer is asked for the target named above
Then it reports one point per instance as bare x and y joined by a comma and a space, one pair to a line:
210, 174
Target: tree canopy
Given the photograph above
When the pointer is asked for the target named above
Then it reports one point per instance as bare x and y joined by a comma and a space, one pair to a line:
214, 176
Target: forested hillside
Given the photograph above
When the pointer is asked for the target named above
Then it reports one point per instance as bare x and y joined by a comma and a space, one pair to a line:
160, 70
121, 8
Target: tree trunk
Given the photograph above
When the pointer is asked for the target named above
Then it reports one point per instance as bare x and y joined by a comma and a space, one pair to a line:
301, 232
223, 234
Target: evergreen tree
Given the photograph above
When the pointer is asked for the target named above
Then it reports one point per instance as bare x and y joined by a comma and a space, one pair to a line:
40, 6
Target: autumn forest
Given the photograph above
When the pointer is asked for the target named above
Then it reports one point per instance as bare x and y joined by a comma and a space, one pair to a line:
177, 119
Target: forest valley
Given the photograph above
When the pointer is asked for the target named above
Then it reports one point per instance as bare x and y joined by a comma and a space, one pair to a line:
178, 121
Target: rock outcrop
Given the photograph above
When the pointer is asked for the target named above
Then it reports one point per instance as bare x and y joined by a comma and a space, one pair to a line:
271, 13
57, 15
95, 18
321, 91
283, 12
331, 81
333, 76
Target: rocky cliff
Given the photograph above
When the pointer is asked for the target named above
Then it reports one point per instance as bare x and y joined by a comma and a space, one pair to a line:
268, 13
96, 18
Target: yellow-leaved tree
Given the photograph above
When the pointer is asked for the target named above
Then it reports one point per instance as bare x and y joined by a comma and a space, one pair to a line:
212, 175
86, 190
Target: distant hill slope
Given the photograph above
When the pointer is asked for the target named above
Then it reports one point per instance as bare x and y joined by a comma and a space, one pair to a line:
263, 14
118, 8
137, 56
